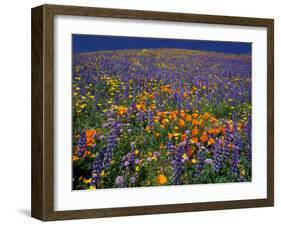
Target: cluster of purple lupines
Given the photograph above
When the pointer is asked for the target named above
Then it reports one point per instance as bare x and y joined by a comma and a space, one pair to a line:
202, 76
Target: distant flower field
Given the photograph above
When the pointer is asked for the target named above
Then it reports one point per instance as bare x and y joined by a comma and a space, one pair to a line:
160, 117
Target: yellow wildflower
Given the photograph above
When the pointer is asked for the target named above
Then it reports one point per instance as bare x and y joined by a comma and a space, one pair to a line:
193, 161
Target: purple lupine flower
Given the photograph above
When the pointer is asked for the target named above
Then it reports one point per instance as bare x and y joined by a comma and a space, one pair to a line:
187, 144
133, 106
177, 100
228, 137
126, 90
116, 97
188, 105
248, 131
178, 164
170, 147
140, 116
237, 144
150, 118
234, 116
97, 168
218, 155
235, 161
111, 145
200, 162
134, 92
82, 147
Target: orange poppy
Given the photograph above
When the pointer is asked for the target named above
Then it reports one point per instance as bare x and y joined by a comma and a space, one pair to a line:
216, 130
173, 116
195, 132
213, 120
211, 141
87, 153
152, 107
74, 158
161, 179
183, 137
206, 115
163, 114
181, 123
170, 136
204, 137
182, 113
188, 118
90, 141
165, 88
140, 107
201, 123
122, 110
195, 122
195, 115
158, 114
194, 140
164, 121
90, 133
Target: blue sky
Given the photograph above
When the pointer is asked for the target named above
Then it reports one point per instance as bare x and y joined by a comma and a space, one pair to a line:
91, 43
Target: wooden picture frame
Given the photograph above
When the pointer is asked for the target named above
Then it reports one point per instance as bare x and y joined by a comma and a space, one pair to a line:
43, 112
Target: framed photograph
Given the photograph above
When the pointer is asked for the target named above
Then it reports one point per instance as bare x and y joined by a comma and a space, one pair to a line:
141, 112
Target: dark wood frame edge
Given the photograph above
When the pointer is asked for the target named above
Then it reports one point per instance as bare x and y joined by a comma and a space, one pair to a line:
42, 194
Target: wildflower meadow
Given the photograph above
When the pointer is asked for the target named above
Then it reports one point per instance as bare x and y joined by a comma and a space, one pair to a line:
160, 116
